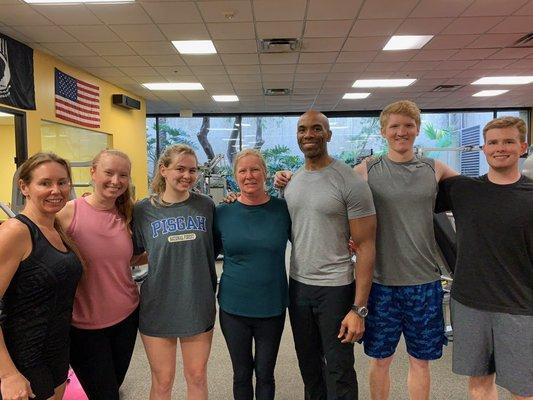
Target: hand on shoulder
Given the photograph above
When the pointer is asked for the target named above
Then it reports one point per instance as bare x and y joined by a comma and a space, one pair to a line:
282, 178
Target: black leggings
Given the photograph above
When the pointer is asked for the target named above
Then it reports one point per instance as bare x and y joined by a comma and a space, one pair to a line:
101, 357
239, 333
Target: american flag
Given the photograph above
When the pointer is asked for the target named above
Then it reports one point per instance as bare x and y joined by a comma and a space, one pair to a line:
77, 101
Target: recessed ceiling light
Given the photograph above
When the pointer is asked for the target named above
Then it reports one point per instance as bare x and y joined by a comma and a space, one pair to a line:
407, 42
194, 46
368, 83
76, 1
225, 98
355, 95
488, 93
174, 86
504, 80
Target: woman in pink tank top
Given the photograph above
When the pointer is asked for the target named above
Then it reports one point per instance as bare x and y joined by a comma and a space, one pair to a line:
105, 316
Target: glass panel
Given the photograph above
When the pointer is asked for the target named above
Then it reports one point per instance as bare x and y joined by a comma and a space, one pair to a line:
151, 149
76, 145
7, 155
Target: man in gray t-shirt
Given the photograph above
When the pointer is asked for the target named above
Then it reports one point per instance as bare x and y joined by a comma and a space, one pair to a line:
328, 203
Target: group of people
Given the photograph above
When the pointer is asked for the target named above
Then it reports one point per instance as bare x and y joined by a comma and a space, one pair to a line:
67, 295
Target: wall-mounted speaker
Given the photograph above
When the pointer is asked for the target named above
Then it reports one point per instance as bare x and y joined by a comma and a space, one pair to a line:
127, 102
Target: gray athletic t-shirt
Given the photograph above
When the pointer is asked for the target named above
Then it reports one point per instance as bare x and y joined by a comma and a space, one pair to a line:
404, 196
321, 203
178, 295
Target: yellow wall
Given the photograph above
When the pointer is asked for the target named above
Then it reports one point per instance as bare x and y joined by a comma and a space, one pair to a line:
7, 155
127, 127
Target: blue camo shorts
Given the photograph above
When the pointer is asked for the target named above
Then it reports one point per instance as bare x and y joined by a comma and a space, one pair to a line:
415, 311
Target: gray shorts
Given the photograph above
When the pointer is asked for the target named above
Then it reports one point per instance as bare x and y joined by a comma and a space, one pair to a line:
487, 342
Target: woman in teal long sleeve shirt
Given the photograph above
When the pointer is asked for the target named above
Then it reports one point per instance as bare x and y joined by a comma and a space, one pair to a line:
253, 294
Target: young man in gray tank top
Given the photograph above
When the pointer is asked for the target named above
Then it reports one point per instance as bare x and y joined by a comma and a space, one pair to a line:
406, 295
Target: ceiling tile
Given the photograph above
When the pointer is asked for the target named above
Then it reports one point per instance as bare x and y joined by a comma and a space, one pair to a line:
320, 29
70, 49
386, 9
493, 7
440, 42
440, 8
516, 24
322, 45
288, 29
512, 53
213, 79
89, 61
92, 33
153, 48
237, 30
526, 10
494, 40
423, 26
174, 72
318, 58
245, 78
120, 13
282, 58
14, 34
45, 34
243, 69
73, 14
313, 68
209, 70
332, 9
473, 54
471, 25
383, 66
316, 77
172, 13
278, 68
239, 59
395, 56
524, 63
21, 14
140, 71
185, 31
356, 56
236, 46
440, 74
164, 61
111, 49
349, 67
241, 11
269, 10
375, 27
201, 59
365, 43
433, 55
127, 61
456, 64
138, 33
492, 64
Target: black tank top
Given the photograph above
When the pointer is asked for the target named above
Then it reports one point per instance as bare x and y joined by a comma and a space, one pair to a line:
38, 300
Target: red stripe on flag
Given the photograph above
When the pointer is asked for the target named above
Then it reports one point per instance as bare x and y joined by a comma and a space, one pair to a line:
68, 105
88, 125
76, 113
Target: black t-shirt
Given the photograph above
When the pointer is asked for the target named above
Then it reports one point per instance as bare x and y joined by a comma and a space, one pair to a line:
494, 269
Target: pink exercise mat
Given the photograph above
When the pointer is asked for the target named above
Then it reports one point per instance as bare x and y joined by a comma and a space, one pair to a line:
74, 390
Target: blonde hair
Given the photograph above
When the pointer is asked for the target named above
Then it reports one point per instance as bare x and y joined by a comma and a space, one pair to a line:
125, 201
249, 152
402, 107
507, 122
158, 184
26, 176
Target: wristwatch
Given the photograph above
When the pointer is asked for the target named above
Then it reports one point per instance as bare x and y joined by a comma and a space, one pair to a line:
362, 311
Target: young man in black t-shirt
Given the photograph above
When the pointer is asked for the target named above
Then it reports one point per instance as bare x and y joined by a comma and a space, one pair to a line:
492, 295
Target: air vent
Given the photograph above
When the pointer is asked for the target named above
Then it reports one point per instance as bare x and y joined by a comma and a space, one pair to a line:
446, 88
277, 92
279, 45
524, 41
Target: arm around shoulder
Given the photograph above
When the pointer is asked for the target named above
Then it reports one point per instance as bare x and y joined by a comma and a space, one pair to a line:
443, 171
66, 215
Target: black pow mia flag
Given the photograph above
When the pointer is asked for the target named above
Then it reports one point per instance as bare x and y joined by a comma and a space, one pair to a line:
16, 74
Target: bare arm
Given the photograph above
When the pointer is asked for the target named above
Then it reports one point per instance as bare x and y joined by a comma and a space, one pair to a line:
65, 215
363, 231
15, 246
443, 171
361, 169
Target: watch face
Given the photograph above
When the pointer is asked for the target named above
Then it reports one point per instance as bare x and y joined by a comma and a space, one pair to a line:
363, 311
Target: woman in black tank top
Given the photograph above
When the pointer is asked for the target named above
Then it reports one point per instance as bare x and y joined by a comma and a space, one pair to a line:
39, 272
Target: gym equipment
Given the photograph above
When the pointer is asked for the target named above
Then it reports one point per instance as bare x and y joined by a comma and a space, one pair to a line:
211, 183
5, 208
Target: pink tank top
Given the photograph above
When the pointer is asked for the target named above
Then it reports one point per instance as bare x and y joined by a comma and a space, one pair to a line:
106, 292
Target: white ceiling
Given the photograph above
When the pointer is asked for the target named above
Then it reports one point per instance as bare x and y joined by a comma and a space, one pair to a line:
129, 44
